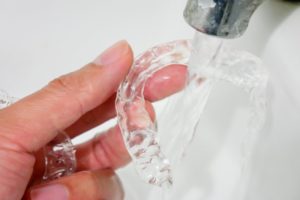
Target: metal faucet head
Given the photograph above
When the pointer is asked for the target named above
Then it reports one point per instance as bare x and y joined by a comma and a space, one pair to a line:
222, 18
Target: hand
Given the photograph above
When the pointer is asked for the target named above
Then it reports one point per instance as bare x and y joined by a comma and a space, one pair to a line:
74, 103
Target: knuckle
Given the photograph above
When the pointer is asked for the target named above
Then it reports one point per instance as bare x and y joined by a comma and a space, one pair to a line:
62, 83
86, 174
79, 86
80, 82
67, 85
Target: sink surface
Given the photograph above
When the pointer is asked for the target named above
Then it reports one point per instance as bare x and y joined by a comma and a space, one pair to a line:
42, 40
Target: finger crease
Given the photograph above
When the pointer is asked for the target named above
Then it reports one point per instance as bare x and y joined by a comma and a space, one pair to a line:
100, 152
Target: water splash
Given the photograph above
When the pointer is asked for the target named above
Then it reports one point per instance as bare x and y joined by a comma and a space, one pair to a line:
212, 62
209, 62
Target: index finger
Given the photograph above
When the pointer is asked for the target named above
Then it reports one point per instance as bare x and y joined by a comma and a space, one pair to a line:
33, 121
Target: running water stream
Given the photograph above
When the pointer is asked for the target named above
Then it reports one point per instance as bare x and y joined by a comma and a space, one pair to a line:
212, 62
208, 62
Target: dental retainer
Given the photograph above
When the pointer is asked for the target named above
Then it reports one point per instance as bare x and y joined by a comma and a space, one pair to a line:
205, 68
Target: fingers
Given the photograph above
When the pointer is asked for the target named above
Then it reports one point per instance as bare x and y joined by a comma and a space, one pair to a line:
104, 151
163, 83
166, 82
108, 149
88, 185
34, 121
93, 118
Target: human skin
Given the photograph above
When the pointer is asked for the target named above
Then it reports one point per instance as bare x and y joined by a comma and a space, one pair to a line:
75, 103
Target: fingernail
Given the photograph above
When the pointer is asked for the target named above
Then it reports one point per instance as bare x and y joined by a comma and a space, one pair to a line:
165, 82
112, 54
50, 192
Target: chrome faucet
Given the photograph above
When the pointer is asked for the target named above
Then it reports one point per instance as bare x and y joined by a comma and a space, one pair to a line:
222, 18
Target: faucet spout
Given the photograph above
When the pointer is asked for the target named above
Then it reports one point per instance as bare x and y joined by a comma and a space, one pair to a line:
222, 18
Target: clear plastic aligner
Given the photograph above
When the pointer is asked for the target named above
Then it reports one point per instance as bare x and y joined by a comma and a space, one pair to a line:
208, 62
5, 99
141, 138
60, 159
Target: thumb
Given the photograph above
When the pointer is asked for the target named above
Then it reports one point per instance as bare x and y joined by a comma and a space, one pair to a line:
88, 185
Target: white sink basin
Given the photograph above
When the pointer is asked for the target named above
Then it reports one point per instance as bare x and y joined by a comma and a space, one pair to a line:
41, 40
